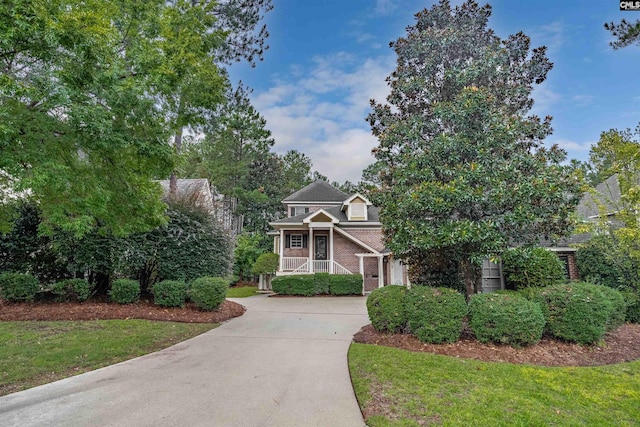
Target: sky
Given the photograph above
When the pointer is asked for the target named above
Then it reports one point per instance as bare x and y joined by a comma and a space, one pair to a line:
328, 58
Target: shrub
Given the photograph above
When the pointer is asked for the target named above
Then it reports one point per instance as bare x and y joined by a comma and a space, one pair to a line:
632, 300
18, 286
505, 318
594, 264
124, 291
386, 308
266, 264
345, 284
618, 307
576, 312
72, 290
322, 281
298, 284
435, 314
527, 267
170, 293
208, 293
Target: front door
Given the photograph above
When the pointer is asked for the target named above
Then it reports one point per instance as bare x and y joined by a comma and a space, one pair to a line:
321, 248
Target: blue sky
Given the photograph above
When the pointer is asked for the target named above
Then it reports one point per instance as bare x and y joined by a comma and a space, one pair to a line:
327, 58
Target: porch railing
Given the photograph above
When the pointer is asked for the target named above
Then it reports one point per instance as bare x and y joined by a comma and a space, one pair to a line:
302, 265
292, 263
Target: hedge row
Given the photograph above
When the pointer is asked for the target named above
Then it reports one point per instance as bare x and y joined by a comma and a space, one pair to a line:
318, 284
576, 312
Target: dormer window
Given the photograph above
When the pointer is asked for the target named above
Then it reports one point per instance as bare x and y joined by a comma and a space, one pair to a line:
299, 210
358, 211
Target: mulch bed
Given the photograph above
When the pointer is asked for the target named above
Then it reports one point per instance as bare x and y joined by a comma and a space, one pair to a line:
102, 310
621, 345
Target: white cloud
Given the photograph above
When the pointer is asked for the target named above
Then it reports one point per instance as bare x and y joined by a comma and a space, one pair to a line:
575, 150
551, 35
385, 7
321, 111
582, 100
544, 100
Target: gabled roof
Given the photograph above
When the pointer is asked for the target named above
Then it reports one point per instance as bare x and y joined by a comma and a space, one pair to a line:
607, 196
312, 215
336, 212
354, 196
317, 191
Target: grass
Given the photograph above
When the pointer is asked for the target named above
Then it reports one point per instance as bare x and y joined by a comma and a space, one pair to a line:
414, 389
34, 353
242, 292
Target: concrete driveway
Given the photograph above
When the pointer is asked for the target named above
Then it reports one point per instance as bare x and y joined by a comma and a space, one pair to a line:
284, 363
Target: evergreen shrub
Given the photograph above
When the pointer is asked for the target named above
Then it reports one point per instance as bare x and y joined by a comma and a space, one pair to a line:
505, 318
322, 281
632, 300
170, 293
435, 315
208, 293
345, 284
386, 308
618, 309
124, 291
577, 312
18, 287
527, 267
297, 284
72, 290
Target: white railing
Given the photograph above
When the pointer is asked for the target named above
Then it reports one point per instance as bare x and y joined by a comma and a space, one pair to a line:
321, 266
292, 263
304, 268
338, 269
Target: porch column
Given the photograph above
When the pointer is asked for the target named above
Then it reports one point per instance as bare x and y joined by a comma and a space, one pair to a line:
331, 250
281, 249
380, 271
361, 262
310, 250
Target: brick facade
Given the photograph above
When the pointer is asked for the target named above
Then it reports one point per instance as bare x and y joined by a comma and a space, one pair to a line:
371, 236
569, 260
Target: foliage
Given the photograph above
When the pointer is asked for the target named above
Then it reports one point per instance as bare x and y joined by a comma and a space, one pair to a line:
505, 319
437, 269
456, 145
33, 353
124, 291
18, 287
72, 290
386, 308
527, 267
297, 284
208, 293
170, 293
434, 315
596, 264
249, 246
618, 309
577, 312
322, 282
266, 264
413, 387
345, 284
626, 33
632, 299
242, 291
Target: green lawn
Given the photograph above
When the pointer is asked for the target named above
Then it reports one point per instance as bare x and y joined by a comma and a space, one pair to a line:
34, 353
242, 292
414, 389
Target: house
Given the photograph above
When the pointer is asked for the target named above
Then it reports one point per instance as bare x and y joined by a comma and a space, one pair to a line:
329, 231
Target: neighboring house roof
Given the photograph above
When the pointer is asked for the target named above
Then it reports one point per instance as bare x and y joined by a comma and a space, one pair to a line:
198, 187
335, 211
317, 191
607, 195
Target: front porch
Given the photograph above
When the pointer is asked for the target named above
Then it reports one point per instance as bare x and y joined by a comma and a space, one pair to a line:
301, 265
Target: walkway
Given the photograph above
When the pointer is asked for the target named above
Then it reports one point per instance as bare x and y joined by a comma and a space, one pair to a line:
284, 363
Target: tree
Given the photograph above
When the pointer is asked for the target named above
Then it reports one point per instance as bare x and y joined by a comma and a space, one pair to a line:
626, 33
463, 168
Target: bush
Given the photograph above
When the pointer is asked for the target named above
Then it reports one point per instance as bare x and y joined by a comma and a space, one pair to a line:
345, 284
505, 318
577, 312
632, 300
170, 293
18, 286
297, 284
531, 267
266, 264
124, 291
618, 309
322, 281
386, 308
208, 293
594, 264
435, 314
72, 290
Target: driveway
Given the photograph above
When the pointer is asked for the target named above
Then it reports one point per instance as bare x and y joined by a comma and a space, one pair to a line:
284, 363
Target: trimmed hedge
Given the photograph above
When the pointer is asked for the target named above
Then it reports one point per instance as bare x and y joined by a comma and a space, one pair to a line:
577, 312
632, 299
169, 293
18, 287
345, 284
124, 291
531, 267
322, 281
208, 293
435, 315
505, 318
297, 284
72, 290
386, 308
618, 309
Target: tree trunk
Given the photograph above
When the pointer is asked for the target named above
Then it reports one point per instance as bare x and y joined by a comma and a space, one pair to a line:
470, 276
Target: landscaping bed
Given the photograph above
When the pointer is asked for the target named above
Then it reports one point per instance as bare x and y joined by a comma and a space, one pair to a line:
621, 345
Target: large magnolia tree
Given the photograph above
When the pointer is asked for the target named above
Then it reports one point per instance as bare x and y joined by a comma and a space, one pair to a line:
462, 166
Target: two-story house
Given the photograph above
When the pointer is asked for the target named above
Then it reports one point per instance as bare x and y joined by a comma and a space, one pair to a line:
329, 231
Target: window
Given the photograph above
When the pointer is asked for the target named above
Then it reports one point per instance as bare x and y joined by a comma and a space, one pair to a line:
299, 210
296, 241
358, 211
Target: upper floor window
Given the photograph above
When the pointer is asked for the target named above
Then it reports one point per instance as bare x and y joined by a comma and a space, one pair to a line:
299, 210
